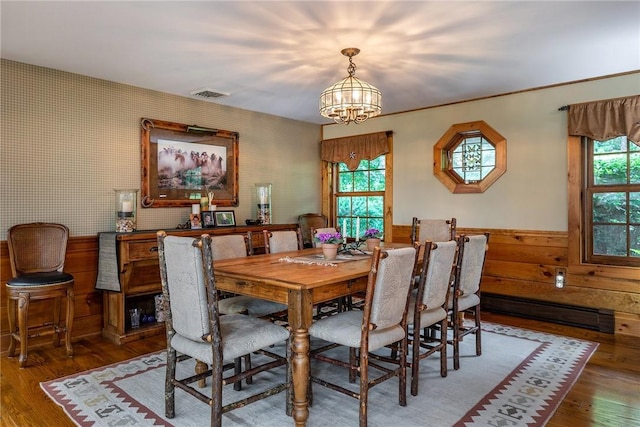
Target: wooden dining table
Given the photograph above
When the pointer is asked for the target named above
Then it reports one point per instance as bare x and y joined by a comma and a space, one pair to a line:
300, 279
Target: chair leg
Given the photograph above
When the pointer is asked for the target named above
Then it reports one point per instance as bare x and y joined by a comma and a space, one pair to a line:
456, 342
57, 307
69, 320
364, 386
23, 321
11, 312
402, 392
169, 387
443, 348
415, 360
478, 331
353, 361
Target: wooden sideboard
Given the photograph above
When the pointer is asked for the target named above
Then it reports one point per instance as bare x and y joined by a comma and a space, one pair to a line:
137, 280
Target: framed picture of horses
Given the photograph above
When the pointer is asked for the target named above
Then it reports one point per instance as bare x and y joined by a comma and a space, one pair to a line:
181, 164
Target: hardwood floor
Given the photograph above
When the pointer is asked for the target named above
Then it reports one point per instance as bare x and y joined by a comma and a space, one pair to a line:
606, 394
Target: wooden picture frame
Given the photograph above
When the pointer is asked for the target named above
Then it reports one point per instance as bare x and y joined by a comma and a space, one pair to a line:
225, 218
195, 221
208, 219
181, 163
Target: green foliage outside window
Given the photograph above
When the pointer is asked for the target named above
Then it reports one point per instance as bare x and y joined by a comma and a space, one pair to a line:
352, 203
615, 198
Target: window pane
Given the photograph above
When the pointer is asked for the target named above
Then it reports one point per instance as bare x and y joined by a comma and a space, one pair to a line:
376, 206
634, 208
377, 180
359, 206
361, 180
609, 208
634, 168
344, 206
613, 145
610, 240
610, 169
345, 182
378, 163
364, 165
634, 234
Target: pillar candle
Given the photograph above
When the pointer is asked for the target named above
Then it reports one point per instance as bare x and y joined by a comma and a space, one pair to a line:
358, 229
127, 206
195, 208
344, 227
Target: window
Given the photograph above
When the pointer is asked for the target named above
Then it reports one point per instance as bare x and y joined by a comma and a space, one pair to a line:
361, 194
611, 188
470, 157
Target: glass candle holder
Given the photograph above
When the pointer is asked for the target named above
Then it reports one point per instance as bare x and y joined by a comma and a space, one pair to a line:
263, 202
126, 210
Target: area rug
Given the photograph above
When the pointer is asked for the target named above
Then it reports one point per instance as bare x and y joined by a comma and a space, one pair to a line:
519, 380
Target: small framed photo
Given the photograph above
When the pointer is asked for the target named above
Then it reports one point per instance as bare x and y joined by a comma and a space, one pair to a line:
208, 221
195, 221
225, 218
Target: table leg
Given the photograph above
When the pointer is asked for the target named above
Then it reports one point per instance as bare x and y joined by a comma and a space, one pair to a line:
300, 318
300, 369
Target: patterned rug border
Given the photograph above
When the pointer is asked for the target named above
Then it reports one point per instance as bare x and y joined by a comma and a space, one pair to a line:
515, 406
485, 412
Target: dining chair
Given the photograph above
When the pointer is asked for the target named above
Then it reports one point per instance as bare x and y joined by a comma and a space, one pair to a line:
309, 221
428, 308
37, 253
436, 230
238, 246
282, 241
316, 231
465, 296
381, 323
195, 329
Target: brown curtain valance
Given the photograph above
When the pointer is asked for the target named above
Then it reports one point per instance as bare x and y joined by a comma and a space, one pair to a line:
352, 149
602, 120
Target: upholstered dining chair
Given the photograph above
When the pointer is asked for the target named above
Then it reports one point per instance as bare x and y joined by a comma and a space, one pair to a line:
309, 221
196, 330
37, 253
282, 241
382, 322
316, 231
436, 230
465, 296
428, 308
237, 246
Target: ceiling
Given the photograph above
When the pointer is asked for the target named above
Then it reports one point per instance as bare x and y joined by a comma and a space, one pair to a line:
277, 57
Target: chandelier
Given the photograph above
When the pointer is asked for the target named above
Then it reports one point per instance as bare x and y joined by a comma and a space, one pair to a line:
351, 99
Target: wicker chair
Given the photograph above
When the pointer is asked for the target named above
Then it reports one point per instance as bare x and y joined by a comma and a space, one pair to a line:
382, 323
307, 222
37, 254
196, 330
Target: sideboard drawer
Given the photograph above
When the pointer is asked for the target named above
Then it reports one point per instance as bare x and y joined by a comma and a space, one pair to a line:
142, 250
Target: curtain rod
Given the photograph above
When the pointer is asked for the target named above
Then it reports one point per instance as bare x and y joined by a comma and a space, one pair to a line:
564, 108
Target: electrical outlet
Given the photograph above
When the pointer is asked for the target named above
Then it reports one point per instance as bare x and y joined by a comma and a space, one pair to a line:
561, 277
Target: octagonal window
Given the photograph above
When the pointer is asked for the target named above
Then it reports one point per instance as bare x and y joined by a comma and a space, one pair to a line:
470, 157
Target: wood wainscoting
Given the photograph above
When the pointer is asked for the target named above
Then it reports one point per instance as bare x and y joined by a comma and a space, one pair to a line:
519, 278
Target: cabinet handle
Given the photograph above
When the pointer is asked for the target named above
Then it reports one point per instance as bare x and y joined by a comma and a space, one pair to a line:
153, 249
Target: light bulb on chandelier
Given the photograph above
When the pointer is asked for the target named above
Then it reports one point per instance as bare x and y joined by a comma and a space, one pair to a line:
350, 99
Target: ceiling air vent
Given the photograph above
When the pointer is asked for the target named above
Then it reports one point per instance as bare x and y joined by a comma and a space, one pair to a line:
208, 93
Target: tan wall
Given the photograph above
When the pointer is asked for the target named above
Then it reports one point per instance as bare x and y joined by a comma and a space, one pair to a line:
69, 140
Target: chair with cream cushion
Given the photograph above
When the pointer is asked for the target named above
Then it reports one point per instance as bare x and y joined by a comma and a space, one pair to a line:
428, 308
465, 296
237, 246
382, 322
196, 330
282, 241
436, 230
